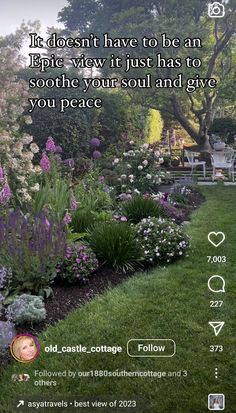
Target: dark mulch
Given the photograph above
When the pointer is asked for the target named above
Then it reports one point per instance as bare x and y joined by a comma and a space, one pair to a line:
74, 296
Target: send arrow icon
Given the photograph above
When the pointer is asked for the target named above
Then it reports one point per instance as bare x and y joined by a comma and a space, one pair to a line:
217, 326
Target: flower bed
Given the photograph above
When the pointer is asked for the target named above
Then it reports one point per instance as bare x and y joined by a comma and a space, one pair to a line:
64, 245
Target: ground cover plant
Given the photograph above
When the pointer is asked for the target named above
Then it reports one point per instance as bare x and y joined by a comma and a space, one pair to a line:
159, 301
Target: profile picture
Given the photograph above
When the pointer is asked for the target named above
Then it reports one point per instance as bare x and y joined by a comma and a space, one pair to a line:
216, 402
25, 348
20, 377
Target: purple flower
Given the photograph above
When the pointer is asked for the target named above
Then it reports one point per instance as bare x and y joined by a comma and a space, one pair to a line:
47, 223
73, 204
67, 219
70, 162
95, 142
58, 149
50, 145
97, 155
45, 163
123, 219
1, 174
2, 298
101, 178
78, 260
5, 194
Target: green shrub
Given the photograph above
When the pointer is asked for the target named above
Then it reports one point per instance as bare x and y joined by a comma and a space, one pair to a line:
93, 199
115, 243
27, 309
82, 220
78, 264
161, 240
138, 208
56, 199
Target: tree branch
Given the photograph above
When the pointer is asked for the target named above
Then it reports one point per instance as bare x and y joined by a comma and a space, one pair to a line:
178, 113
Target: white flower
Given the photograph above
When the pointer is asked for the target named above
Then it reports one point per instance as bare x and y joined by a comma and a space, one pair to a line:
140, 167
161, 160
145, 162
123, 176
136, 191
28, 120
131, 176
131, 142
34, 147
129, 166
145, 146
116, 161
35, 188
157, 153
26, 139
148, 176
27, 156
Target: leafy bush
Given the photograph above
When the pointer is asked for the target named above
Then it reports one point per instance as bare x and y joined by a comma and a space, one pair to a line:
94, 199
138, 208
138, 170
53, 198
31, 246
26, 309
116, 244
82, 220
78, 264
177, 214
161, 240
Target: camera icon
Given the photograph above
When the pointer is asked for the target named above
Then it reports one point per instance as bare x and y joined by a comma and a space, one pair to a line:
216, 9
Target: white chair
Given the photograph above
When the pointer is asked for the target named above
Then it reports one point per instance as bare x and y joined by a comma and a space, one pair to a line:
223, 160
194, 162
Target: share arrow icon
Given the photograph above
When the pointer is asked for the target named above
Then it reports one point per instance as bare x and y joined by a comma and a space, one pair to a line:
217, 326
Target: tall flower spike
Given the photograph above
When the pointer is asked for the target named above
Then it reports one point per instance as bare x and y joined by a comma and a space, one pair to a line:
45, 163
50, 145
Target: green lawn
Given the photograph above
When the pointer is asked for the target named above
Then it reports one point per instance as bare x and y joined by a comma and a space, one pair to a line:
171, 302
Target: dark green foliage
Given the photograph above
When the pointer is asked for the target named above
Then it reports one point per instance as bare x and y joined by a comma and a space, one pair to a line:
225, 128
74, 128
82, 219
116, 244
138, 208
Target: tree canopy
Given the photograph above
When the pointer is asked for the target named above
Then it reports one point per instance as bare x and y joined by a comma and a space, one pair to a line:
134, 18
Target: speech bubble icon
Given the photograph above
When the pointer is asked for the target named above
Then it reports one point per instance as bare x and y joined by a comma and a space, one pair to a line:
212, 281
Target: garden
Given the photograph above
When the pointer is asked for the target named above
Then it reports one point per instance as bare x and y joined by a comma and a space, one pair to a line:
103, 223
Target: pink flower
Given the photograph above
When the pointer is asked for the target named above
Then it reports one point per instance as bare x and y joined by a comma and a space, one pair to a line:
73, 204
1, 174
67, 219
5, 194
47, 223
123, 219
50, 145
45, 163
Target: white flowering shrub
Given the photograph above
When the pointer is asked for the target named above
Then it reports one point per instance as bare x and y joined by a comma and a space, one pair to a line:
139, 170
16, 149
162, 240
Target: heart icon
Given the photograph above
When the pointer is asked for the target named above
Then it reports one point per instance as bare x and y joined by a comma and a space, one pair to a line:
216, 238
